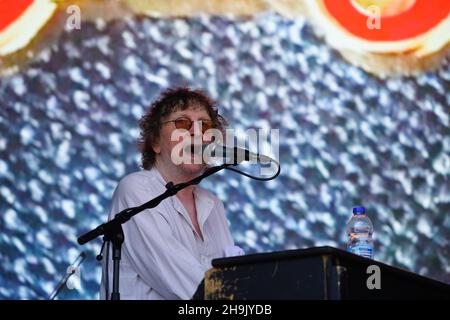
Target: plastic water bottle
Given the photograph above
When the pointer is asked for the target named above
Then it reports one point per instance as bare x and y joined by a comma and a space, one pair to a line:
359, 231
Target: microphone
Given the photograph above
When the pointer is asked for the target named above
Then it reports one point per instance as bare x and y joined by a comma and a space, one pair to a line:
232, 155
72, 269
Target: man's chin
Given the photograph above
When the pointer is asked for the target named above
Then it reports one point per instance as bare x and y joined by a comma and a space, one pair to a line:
193, 169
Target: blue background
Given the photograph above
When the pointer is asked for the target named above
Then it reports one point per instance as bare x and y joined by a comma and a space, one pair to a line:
68, 130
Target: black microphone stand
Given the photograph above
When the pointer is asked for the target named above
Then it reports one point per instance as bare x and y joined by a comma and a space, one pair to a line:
113, 232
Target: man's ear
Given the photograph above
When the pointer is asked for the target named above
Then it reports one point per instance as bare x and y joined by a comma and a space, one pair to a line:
156, 148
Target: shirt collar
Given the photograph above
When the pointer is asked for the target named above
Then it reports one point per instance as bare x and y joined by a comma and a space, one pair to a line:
204, 202
204, 205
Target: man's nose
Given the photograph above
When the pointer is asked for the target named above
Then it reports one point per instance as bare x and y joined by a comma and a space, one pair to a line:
196, 128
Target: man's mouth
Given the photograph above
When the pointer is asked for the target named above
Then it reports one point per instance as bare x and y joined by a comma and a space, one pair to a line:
194, 149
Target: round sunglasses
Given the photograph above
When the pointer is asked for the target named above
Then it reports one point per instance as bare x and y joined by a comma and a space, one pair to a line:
185, 123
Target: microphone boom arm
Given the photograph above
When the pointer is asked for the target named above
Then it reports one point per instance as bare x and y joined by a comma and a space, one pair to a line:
127, 214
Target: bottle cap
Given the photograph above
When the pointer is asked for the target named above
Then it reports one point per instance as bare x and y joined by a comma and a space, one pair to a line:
359, 210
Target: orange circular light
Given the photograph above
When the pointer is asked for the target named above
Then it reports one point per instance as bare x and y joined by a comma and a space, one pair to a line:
418, 18
11, 10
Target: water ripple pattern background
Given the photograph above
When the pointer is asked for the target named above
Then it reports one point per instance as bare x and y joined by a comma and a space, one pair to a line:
68, 127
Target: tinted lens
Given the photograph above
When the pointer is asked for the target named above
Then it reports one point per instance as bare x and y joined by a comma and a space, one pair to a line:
187, 124
183, 124
206, 125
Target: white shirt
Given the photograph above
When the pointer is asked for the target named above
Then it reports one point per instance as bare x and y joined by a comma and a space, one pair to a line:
163, 257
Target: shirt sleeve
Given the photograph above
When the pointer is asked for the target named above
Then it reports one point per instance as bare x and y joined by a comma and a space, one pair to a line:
162, 261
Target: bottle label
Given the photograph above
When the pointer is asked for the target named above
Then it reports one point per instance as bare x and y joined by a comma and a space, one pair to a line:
363, 251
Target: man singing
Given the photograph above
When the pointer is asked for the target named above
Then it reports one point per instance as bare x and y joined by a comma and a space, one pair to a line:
168, 248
